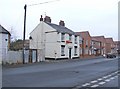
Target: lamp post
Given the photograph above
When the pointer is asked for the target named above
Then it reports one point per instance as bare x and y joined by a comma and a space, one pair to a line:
25, 8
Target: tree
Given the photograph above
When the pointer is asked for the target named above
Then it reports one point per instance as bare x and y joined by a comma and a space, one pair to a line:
13, 36
16, 45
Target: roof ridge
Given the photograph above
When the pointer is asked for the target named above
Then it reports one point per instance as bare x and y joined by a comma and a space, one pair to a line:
60, 28
3, 30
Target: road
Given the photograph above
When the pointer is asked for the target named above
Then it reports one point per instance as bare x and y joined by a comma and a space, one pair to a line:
100, 72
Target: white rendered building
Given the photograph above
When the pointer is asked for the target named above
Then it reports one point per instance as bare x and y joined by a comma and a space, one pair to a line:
4, 43
54, 41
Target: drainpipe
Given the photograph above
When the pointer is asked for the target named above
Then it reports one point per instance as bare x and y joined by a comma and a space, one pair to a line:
100, 48
83, 48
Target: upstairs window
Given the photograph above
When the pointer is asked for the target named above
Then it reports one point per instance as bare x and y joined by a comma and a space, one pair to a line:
75, 39
62, 36
86, 43
62, 50
70, 37
92, 43
80, 41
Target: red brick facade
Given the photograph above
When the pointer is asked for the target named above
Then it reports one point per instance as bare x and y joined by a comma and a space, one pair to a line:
102, 43
110, 47
86, 44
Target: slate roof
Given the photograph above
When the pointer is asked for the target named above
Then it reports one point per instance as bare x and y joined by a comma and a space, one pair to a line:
3, 30
116, 42
83, 33
95, 39
99, 38
61, 29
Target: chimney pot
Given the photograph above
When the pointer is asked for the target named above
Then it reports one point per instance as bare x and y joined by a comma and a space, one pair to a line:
47, 19
61, 23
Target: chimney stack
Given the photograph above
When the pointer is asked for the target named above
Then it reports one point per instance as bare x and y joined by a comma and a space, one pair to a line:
41, 19
61, 23
47, 19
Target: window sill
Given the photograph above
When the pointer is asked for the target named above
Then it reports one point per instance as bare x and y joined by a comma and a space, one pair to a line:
75, 54
63, 55
62, 41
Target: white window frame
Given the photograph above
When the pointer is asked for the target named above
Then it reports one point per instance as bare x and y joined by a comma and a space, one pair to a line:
86, 42
70, 37
62, 50
62, 36
75, 50
75, 39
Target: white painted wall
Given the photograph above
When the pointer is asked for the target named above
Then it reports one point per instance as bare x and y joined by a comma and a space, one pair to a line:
51, 45
38, 35
46, 38
14, 57
3, 46
38, 39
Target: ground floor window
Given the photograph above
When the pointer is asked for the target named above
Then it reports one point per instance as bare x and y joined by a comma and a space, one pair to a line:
62, 50
93, 51
90, 52
80, 50
75, 50
86, 51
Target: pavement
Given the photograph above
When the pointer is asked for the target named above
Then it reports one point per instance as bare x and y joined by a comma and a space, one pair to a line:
49, 61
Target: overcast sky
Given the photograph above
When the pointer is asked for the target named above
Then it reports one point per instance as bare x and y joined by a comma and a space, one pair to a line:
99, 17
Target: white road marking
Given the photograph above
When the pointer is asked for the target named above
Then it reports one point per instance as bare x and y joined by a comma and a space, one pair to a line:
105, 76
100, 79
86, 84
93, 81
112, 78
107, 80
116, 72
110, 75
101, 83
94, 85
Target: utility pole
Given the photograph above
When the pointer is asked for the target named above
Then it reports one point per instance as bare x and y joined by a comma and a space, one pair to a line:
25, 8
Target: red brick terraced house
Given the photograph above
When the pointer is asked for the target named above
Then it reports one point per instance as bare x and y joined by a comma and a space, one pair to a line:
101, 42
110, 47
96, 47
117, 46
86, 44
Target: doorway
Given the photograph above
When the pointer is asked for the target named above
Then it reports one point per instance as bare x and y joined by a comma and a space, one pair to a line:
69, 53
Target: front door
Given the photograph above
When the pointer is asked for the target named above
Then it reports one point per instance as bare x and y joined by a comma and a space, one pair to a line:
70, 53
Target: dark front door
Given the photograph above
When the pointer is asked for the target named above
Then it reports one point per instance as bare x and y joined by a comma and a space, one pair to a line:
70, 53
